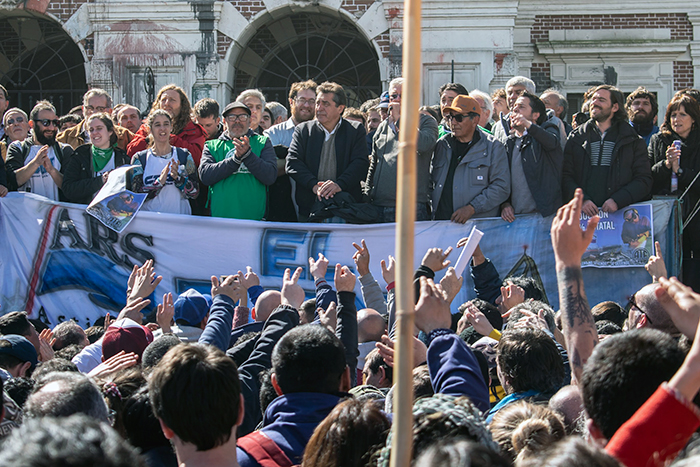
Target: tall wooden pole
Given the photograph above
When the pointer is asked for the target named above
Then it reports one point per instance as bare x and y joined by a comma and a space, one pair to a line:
402, 436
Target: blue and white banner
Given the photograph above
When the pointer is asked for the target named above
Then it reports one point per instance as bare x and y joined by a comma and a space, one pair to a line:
58, 262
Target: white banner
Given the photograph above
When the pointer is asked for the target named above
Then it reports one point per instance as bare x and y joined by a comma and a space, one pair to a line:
58, 262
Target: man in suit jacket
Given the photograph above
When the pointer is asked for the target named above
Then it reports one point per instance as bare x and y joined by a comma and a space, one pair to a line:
328, 154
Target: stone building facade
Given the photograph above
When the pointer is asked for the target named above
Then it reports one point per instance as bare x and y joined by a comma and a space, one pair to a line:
56, 49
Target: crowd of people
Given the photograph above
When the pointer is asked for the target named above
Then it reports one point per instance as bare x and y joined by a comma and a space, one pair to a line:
253, 377
264, 377
478, 155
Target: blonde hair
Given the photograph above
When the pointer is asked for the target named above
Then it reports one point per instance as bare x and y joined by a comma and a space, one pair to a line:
523, 429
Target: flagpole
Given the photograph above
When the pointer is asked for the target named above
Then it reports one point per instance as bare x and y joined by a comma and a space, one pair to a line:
402, 435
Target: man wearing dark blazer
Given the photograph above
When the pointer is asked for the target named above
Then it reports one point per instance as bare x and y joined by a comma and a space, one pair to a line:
328, 154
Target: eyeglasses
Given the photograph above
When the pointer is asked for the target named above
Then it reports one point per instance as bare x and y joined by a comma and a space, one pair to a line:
301, 101
237, 118
92, 109
47, 122
394, 97
632, 303
459, 118
12, 121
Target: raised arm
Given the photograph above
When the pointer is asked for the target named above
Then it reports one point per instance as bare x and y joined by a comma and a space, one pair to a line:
569, 243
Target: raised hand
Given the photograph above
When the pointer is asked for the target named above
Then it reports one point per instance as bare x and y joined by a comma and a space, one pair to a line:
328, 317
511, 295
451, 284
681, 304
318, 268
292, 293
656, 266
344, 279
145, 282
389, 271
165, 313
361, 258
113, 364
249, 279
436, 259
386, 350
229, 287
568, 240
472, 315
432, 310
133, 309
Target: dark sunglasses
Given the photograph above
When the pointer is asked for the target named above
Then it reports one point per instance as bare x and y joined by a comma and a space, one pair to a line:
459, 118
47, 122
12, 121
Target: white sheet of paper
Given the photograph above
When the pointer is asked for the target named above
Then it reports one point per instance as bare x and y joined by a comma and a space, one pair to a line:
468, 251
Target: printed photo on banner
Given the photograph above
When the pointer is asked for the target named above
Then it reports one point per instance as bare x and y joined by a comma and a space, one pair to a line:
114, 205
623, 239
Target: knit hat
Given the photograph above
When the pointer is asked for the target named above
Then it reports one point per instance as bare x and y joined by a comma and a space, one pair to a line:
439, 416
19, 347
126, 335
192, 306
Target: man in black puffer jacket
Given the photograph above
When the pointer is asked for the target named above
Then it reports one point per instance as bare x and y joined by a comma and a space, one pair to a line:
606, 158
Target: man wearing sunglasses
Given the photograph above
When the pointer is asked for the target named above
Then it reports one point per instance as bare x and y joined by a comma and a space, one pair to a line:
37, 162
469, 170
380, 187
238, 167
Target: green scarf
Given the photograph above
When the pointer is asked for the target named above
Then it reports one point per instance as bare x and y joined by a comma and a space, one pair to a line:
100, 157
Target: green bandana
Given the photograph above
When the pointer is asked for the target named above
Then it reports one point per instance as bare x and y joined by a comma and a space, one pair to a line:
100, 157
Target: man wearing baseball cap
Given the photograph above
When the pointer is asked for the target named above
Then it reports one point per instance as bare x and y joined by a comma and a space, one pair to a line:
18, 356
470, 175
238, 167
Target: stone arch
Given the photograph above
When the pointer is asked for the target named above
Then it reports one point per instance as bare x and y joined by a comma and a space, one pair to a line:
280, 47
40, 60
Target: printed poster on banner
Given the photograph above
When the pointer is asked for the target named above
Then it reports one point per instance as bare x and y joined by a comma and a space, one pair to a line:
624, 238
114, 205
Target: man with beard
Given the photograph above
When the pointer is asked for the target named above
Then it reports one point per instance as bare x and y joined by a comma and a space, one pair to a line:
238, 167
302, 101
37, 162
641, 107
606, 158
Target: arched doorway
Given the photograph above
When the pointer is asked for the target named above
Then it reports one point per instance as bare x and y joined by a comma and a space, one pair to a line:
39, 60
309, 46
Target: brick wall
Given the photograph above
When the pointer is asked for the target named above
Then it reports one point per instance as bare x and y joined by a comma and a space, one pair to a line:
541, 75
223, 42
356, 7
682, 75
681, 28
89, 45
248, 8
64, 9
384, 43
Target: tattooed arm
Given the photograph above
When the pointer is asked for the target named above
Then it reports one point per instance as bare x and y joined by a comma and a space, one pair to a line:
569, 243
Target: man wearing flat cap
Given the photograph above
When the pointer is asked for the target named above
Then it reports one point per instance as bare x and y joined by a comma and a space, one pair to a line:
469, 171
238, 167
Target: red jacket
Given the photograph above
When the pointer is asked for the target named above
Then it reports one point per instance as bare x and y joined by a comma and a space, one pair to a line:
657, 431
192, 138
